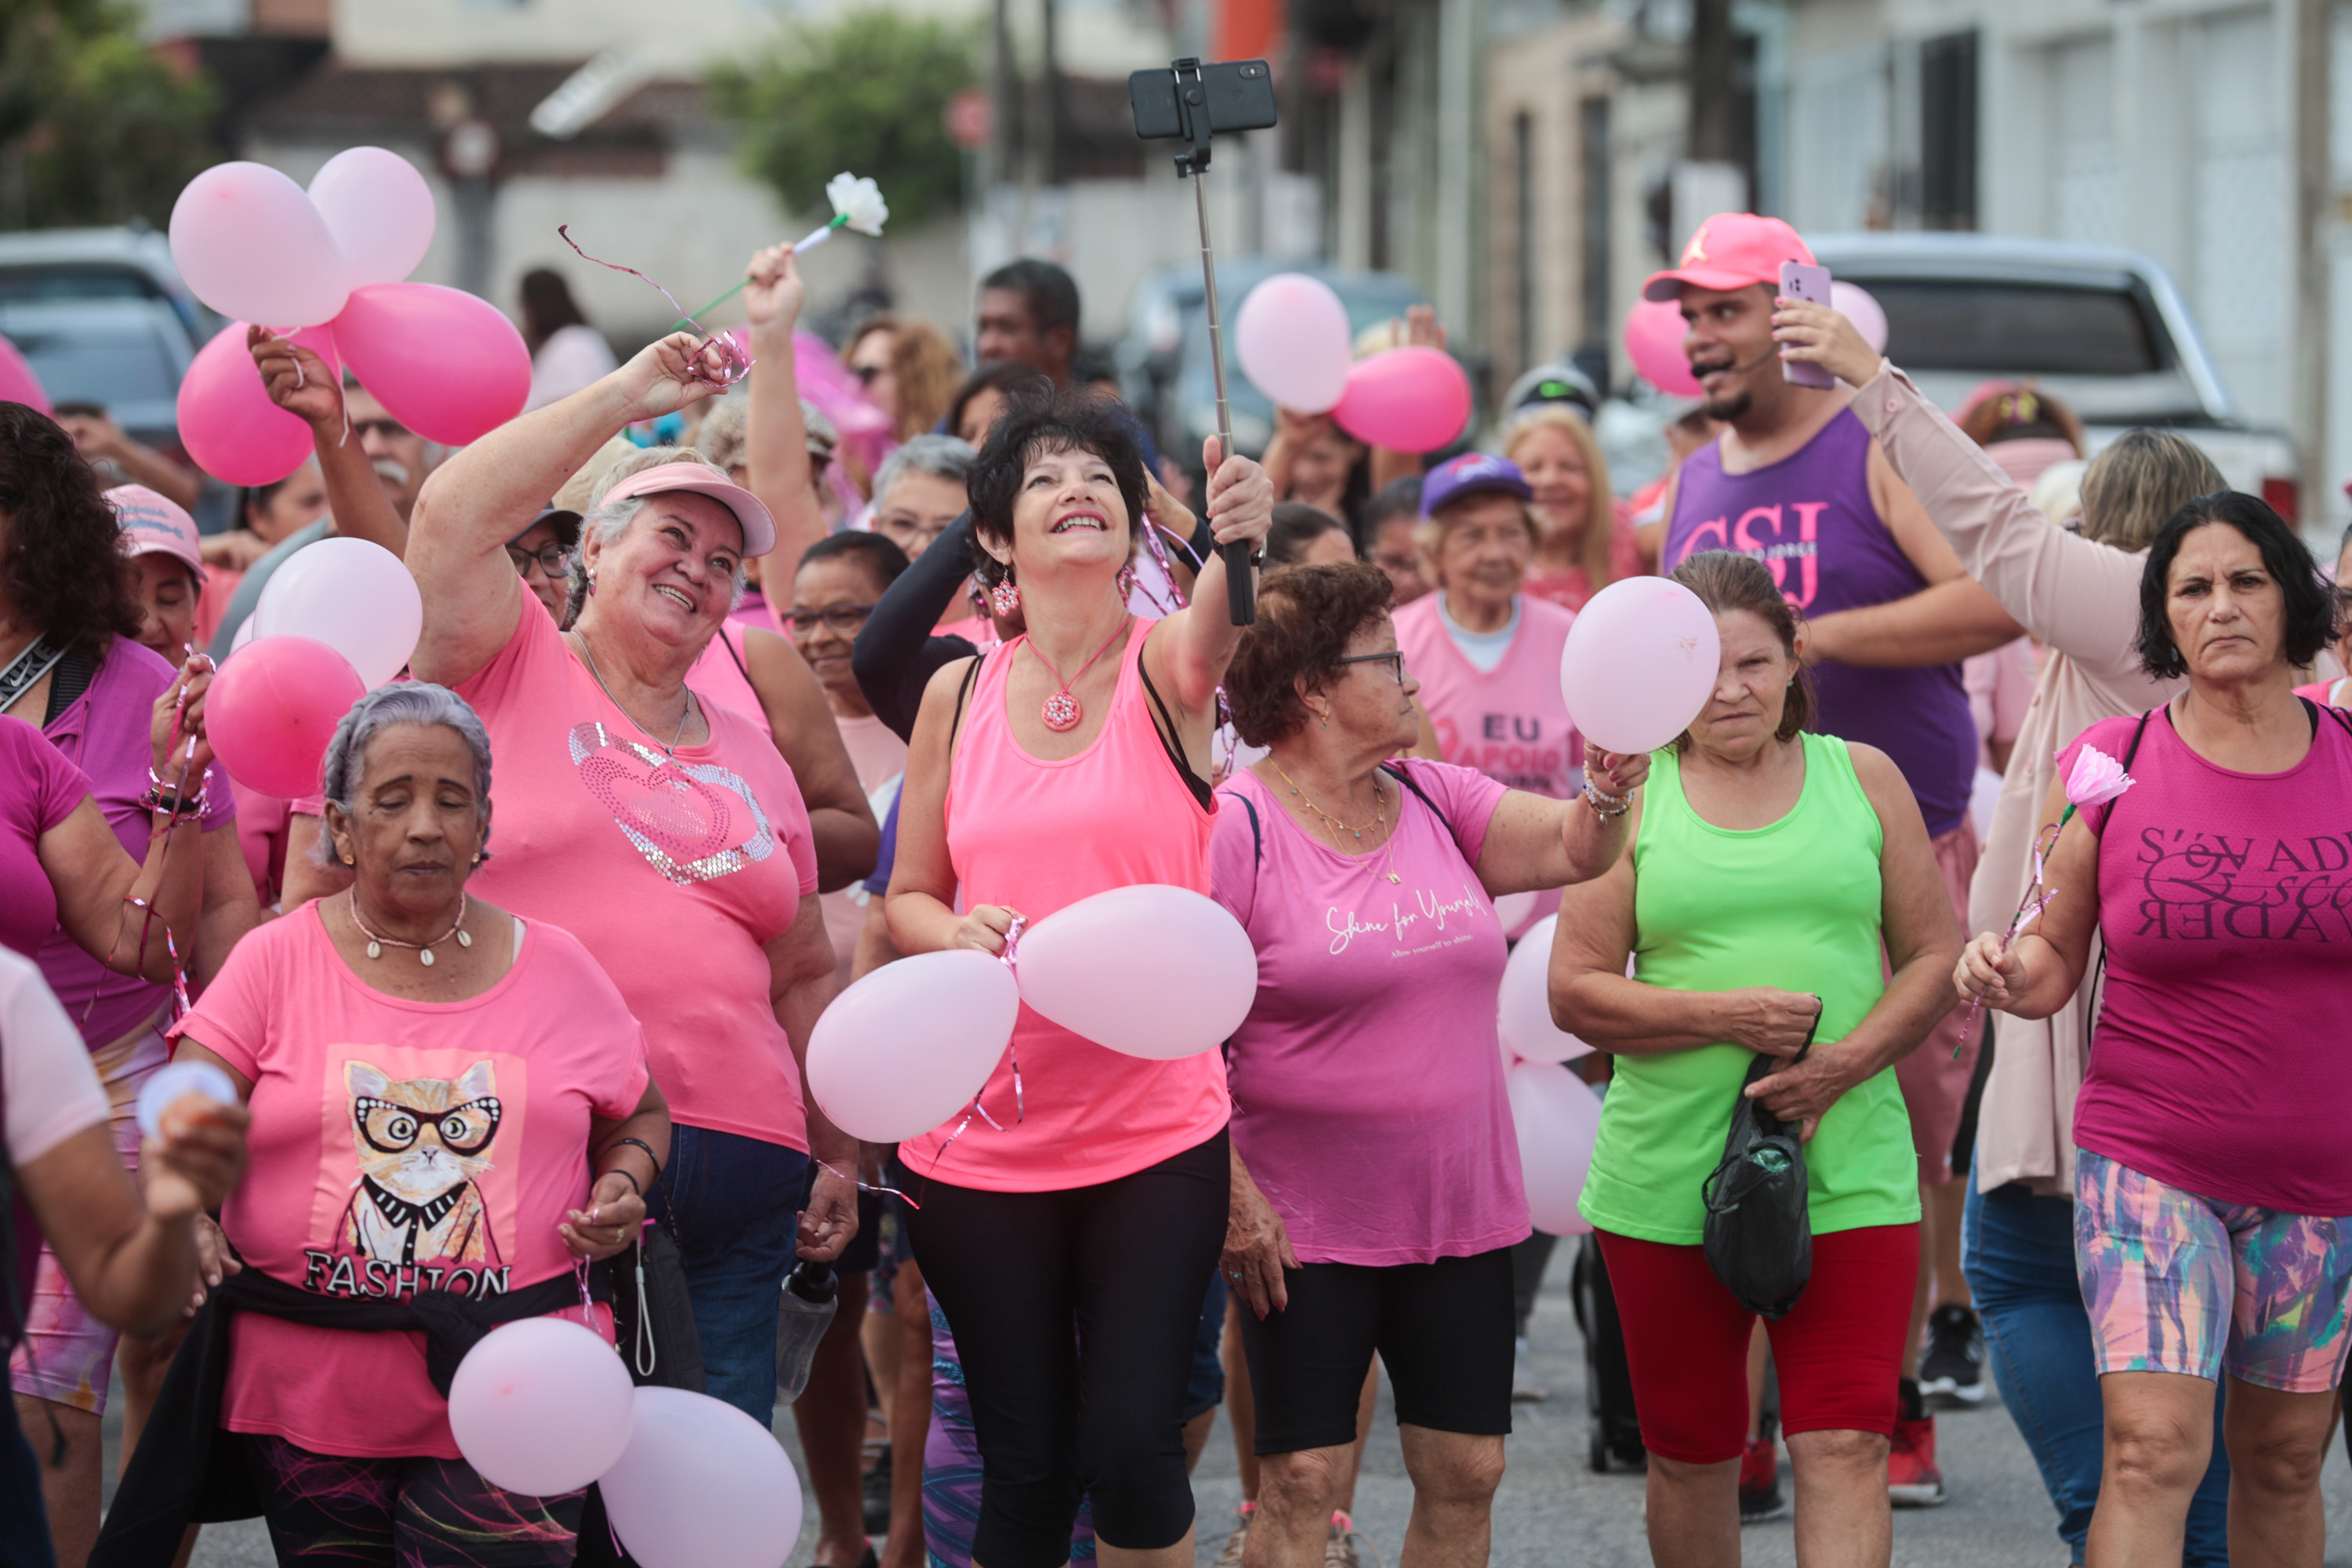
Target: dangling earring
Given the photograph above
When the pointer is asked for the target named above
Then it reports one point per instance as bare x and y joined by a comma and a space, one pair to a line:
1005, 598
591, 580
1125, 582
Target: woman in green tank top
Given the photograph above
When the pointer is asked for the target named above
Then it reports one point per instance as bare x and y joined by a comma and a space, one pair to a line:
1766, 870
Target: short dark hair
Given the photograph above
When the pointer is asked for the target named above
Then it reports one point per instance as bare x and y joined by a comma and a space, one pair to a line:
1051, 293
1297, 525
1398, 497
1727, 580
1016, 381
1073, 420
2309, 623
877, 553
60, 555
1306, 616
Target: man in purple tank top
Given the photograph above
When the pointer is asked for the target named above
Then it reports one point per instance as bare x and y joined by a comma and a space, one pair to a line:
1798, 482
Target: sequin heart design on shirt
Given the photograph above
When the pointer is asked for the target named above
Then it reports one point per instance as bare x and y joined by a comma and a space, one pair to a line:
681, 816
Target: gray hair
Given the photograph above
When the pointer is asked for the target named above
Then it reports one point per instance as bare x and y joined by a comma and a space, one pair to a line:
606, 523
409, 702
941, 457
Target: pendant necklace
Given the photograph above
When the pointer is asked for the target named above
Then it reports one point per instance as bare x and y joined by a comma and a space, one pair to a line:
1062, 712
669, 753
423, 950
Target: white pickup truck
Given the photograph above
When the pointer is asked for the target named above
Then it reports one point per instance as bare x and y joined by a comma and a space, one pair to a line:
2103, 330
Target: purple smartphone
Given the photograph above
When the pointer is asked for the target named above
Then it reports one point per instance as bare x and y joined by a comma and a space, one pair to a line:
1800, 281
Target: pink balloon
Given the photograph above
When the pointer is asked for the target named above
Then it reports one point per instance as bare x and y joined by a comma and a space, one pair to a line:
1294, 343
1101, 968
1409, 399
353, 595
226, 420
17, 382
380, 211
1556, 1119
446, 363
1654, 341
249, 244
541, 1405
903, 1050
701, 1485
272, 710
1639, 664
1853, 303
1523, 1010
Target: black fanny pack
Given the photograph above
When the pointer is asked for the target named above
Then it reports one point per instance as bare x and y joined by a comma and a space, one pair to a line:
1759, 1226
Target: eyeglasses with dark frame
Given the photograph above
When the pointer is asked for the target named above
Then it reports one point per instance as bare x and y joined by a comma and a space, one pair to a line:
1394, 656
553, 560
842, 618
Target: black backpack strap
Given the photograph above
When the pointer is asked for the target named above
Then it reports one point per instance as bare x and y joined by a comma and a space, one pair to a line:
1405, 778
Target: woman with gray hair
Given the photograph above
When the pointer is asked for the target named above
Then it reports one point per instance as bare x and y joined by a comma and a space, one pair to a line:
918, 491
469, 1087
666, 833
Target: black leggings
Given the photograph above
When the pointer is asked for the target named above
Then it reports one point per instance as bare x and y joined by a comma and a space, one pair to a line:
1074, 1313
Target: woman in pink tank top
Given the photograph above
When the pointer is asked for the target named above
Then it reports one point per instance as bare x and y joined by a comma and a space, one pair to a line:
2212, 1181
1091, 1196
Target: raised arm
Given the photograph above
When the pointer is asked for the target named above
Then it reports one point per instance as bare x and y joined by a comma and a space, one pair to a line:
1190, 651
490, 491
842, 823
299, 382
1534, 842
1951, 619
896, 655
774, 434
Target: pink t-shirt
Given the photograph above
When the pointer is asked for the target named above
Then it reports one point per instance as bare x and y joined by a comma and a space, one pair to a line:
1036, 835
676, 874
722, 674
2000, 685
1572, 589
2328, 693
261, 822
38, 789
104, 733
400, 1146
1509, 722
2219, 1064
1368, 1080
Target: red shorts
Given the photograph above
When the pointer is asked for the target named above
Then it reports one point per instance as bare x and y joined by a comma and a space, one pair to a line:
1839, 1353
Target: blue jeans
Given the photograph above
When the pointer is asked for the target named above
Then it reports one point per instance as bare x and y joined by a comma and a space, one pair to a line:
733, 1203
2018, 1250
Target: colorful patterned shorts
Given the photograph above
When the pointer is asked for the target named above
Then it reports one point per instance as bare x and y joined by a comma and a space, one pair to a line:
2175, 1282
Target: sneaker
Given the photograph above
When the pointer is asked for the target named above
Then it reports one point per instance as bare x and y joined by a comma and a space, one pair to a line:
1527, 1388
1760, 1483
1953, 1367
1231, 1557
875, 1494
1912, 1478
1339, 1552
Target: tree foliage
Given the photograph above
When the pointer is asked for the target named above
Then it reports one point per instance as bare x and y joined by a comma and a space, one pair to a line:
868, 94
94, 127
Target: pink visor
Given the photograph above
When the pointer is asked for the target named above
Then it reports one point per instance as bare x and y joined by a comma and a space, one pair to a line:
759, 527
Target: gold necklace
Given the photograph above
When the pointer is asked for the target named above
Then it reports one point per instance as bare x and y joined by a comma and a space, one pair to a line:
1333, 823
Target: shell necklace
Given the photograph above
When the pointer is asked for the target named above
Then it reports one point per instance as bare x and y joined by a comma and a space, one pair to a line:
423, 950
1062, 712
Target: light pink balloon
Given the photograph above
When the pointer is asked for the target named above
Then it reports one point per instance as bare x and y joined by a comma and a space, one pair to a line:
1853, 303
353, 595
1523, 1010
446, 365
701, 1485
1512, 909
905, 1048
1409, 399
380, 211
1654, 341
1294, 343
227, 421
17, 382
1639, 664
272, 710
1556, 1119
1151, 970
248, 243
541, 1406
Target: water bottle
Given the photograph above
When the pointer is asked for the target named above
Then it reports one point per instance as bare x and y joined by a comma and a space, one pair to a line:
810, 1293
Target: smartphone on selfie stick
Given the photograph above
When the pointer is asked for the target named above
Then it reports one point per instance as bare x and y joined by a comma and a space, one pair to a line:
1195, 101
1802, 280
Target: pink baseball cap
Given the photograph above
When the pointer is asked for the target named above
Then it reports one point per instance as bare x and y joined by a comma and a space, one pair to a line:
759, 527
1731, 250
152, 525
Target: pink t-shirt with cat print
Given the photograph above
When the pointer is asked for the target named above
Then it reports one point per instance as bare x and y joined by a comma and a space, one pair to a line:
400, 1146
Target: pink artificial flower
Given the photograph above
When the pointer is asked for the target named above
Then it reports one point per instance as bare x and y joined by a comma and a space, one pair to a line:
2095, 778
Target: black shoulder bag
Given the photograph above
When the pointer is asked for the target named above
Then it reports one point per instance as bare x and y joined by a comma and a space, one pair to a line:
1759, 1229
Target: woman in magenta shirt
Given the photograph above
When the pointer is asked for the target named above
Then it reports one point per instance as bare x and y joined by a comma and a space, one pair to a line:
1375, 1170
2213, 1182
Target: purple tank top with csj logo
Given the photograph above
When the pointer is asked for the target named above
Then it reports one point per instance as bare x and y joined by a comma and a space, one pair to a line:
1810, 517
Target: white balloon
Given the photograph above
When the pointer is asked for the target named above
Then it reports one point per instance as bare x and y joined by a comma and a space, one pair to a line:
249, 243
1151, 970
1556, 1119
1639, 664
353, 595
540, 1406
380, 211
1853, 303
1523, 1010
701, 1485
903, 1050
1512, 908
1292, 337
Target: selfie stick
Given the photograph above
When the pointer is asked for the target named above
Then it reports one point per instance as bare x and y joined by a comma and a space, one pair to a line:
1192, 112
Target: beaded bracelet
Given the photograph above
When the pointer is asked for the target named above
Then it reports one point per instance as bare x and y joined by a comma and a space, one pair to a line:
1616, 804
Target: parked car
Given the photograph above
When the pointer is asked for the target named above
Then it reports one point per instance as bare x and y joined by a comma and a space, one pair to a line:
102, 316
2104, 330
